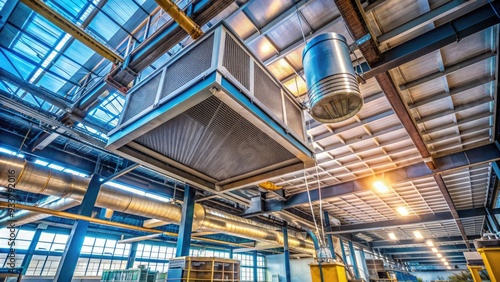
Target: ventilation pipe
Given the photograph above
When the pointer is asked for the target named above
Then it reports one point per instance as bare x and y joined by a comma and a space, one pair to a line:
43, 180
333, 90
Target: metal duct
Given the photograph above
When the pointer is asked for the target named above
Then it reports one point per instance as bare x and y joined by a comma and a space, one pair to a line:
43, 180
333, 90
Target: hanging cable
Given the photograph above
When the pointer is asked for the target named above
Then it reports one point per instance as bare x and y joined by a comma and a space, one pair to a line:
310, 204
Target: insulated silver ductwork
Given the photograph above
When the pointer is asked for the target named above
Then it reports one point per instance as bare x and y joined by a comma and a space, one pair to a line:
333, 90
43, 180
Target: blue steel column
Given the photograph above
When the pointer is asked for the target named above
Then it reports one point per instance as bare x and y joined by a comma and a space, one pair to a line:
31, 250
329, 237
255, 272
363, 261
186, 226
132, 255
231, 253
353, 259
286, 253
77, 236
344, 257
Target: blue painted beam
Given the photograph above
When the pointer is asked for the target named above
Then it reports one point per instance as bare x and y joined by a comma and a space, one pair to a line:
286, 254
132, 255
409, 220
453, 31
186, 225
31, 250
77, 236
352, 254
467, 158
417, 250
329, 237
387, 243
342, 248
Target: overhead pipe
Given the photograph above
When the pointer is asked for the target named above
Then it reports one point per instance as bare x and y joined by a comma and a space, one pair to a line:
180, 17
43, 180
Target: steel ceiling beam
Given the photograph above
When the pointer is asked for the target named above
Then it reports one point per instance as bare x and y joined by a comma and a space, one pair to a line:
418, 250
451, 32
427, 255
471, 157
69, 27
386, 243
410, 220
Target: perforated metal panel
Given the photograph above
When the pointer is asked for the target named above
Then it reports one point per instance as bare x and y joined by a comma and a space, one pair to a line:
214, 139
237, 62
294, 118
188, 67
267, 92
142, 97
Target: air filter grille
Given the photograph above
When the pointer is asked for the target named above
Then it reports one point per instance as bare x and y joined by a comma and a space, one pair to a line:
294, 118
188, 67
268, 93
143, 97
215, 140
237, 62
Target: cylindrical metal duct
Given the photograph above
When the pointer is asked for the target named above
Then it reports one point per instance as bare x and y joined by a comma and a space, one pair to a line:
333, 90
43, 180
25, 217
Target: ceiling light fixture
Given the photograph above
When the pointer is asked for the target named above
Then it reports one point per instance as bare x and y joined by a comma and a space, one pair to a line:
446, 263
434, 250
418, 235
439, 255
403, 211
430, 243
392, 236
380, 186
443, 259
449, 267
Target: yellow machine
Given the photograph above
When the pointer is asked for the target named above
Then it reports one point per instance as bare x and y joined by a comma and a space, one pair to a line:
332, 272
474, 270
491, 258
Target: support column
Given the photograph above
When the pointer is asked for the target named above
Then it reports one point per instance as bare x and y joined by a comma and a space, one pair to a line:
286, 253
186, 225
363, 261
231, 253
329, 237
353, 259
132, 255
344, 257
255, 272
70, 256
31, 250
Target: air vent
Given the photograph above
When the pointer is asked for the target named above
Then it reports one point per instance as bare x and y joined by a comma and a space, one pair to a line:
215, 117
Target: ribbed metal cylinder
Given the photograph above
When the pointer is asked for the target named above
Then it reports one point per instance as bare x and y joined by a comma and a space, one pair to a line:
43, 180
333, 90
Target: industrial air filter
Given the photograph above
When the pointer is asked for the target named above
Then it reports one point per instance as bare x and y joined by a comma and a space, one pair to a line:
333, 90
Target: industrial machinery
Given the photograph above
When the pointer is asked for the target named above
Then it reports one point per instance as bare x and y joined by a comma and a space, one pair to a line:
333, 89
489, 248
214, 117
475, 264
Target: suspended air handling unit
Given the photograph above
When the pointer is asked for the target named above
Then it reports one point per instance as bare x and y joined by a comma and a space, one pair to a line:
332, 88
215, 117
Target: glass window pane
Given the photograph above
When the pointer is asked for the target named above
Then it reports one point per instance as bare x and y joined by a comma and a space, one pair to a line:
61, 238
47, 237
25, 235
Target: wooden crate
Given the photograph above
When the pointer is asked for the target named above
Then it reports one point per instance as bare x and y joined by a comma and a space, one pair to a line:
205, 269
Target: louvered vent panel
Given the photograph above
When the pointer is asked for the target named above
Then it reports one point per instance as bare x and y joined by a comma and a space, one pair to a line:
237, 62
267, 92
294, 118
188, 67
215, 140
142, 97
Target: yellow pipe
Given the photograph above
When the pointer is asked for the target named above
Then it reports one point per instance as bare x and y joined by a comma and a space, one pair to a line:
72, 29
474, 270
107, 223
181, 18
